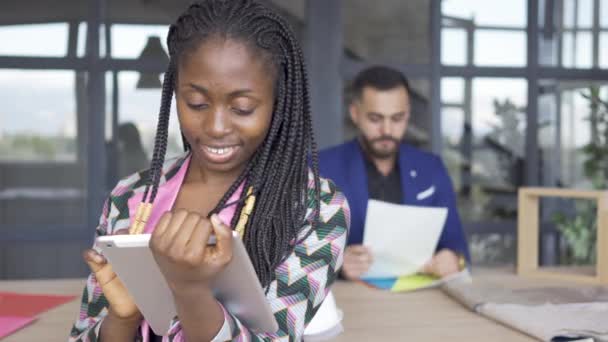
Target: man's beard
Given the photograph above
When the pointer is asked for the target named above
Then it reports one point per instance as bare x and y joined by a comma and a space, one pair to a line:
380, 154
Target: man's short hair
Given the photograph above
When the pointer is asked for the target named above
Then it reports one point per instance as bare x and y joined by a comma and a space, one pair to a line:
378, 77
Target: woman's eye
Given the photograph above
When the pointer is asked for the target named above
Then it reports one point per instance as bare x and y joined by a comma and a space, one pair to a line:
197, 106
240, 111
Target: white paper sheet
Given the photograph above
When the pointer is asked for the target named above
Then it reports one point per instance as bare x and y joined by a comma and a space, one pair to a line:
402, 238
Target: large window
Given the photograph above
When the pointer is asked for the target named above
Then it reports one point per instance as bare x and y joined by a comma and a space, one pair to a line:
137, 118
491, 99
484, 144
43, 143
493, 31
574, 34
30, 97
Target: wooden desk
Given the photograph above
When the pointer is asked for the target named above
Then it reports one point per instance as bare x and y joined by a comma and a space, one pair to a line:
369, 315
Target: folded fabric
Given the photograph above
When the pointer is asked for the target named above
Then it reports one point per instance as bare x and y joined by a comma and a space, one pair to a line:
548, 321
544, 313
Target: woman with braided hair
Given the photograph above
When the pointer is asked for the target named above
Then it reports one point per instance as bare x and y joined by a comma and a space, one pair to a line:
250, 165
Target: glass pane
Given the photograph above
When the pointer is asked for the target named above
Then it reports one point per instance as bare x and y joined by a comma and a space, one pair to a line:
500, 48
566, 163
548, 138
566, 125
497, 156
495, 13
453, 46
41, 40
585, 13
569, 233
30, 98
604, 13
577, 50
38, 150
452, 123
138, 114
603, 60
109, 92
548, 52
569, 13
81, 48
388, 31
568, 50
584, 50
102, 40
128, 41
452, 90
419, 128
575, 133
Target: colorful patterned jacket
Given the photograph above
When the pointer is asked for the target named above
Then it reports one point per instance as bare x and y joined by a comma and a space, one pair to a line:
301, 282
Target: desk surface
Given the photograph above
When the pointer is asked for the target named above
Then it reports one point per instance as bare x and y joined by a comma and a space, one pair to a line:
369, 315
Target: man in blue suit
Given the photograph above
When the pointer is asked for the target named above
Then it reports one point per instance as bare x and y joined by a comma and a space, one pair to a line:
377, 165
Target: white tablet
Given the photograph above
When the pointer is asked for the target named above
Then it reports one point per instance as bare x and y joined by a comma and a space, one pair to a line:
237, 287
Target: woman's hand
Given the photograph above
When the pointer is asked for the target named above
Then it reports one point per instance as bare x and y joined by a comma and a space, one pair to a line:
121, 304
179, 245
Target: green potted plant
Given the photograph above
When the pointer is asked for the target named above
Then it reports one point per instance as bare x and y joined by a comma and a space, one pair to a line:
580, 230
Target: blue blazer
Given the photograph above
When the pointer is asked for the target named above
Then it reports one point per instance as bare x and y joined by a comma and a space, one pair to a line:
424, 182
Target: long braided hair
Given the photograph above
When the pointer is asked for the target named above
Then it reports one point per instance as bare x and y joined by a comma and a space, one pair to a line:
278, 171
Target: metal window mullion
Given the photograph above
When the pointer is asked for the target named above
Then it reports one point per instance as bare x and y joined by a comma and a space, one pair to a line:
435, 74
467, 129
574, 35
42, 63
559, 8
596, 34
324, 57
531, 143
95, 137
72, 39
476, 71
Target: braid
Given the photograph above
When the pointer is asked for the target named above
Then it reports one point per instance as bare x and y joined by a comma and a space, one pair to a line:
162, 131
278, 171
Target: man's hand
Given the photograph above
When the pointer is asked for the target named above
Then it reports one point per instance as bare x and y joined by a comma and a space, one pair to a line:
357, 260
443, 264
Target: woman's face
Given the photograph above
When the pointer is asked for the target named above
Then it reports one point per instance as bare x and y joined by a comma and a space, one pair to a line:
224, 101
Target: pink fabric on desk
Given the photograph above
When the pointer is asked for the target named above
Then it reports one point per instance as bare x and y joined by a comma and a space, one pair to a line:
165, 199
10, 324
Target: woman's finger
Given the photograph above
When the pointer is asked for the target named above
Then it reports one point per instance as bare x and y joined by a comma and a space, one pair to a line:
99, 266
184, 234
94, 259
162, 224
223, 235
177, 219
198, 240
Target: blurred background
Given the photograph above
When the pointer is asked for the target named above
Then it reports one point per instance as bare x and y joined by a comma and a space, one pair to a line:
509, 93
